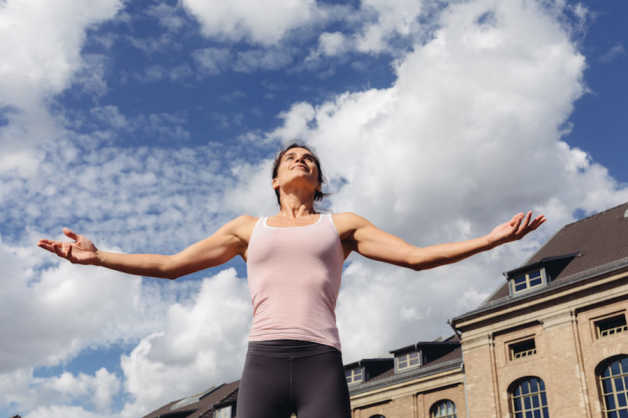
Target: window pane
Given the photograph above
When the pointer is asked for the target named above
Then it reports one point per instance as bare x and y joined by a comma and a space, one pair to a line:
537, 413
517, 404
348, 374
535, 401
519, 415
525, 387
527, 403
621, 400
623, 413
610, 402
535, 282
545, 413
519, 287
619, 384
612, 415
624, 364
535, 273
520, 279
529, 414
543, 399
534, 386
615, 368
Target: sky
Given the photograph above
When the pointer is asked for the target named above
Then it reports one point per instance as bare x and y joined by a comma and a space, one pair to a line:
147, 125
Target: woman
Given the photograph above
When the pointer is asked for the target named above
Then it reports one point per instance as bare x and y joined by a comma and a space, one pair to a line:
294, 262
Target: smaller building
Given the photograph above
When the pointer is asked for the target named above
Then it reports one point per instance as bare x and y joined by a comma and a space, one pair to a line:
216, 402
424, 379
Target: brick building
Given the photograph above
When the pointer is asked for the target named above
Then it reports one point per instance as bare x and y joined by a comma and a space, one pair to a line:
551, 341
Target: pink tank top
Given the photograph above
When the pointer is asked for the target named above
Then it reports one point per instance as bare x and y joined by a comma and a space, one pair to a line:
294, 279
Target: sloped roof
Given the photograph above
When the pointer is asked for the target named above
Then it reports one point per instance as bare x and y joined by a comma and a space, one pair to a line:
198, 405
450, 360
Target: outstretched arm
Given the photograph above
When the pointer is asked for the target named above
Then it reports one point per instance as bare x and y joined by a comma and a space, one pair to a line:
229, 241
358, 234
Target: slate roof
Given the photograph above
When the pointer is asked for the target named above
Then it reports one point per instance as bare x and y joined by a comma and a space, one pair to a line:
591, 247
451, 360
200, 405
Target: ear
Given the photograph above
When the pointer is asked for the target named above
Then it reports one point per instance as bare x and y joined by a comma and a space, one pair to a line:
275, 183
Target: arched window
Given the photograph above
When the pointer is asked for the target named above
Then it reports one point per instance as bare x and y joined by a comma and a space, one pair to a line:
528, 399
613, 379
443, 409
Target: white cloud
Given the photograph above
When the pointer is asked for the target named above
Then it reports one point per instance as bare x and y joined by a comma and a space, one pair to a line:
391, 18
202, 344
50, 41
167, 16
332, 43
260, 22
212, 60
614, 52
484, 96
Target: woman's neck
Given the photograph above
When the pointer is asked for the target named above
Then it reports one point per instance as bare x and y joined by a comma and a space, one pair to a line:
292, 207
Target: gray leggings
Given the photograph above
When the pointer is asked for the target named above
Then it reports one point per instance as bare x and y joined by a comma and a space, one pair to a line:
282, 377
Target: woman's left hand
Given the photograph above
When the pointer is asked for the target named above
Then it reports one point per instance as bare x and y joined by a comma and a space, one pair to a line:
514, 229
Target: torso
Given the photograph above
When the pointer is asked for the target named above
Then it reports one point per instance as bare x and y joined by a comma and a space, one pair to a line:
344, 223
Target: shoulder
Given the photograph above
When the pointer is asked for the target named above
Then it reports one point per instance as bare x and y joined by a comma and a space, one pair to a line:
241, 227
348, 222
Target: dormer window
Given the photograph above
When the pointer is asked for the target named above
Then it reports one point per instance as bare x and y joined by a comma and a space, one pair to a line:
524, 281
355, 375
407, 360
224, 412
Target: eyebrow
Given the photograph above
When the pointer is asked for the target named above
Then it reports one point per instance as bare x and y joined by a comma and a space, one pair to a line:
309, 154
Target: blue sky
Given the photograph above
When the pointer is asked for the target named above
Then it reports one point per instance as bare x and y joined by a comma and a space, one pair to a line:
147, 125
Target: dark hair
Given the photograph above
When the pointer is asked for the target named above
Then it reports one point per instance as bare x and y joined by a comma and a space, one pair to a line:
318, 195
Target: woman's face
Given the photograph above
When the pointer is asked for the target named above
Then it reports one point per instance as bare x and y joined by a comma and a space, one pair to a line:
297, 167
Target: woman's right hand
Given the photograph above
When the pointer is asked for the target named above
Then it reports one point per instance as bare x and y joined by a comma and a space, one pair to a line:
81, 251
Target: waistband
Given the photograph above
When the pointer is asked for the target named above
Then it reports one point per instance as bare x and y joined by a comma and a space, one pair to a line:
289, 348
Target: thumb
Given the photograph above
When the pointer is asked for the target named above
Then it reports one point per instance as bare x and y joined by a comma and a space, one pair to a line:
70, 234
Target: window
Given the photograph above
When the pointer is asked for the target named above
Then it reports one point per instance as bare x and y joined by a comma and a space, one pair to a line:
224, 412
443, 409
522, 349
613, 378
525, 281
610, 326
354, 375
407, 360
527, 398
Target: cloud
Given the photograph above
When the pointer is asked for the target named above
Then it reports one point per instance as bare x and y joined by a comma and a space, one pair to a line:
202, 344
613, 53
50, 40
389, 19
262, 23
483, 96
212, 61
168, 16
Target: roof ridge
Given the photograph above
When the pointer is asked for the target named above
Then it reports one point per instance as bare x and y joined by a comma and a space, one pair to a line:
588, 218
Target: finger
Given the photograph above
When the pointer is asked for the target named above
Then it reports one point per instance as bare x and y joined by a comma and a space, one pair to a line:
518, 217
70, 234
46, 246
524, 224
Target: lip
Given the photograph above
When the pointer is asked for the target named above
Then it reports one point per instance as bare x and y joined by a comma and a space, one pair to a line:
300, 166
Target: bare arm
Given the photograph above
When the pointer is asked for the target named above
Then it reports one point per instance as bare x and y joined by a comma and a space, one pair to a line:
229, 241
360, 235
